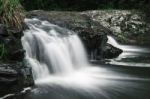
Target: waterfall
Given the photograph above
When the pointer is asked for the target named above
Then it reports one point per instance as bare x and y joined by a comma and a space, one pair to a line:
61, 69
52, 50
127, 48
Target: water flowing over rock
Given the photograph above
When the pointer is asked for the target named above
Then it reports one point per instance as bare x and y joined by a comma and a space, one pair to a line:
51, 49
61, 69
93, 34
111, 51
128, 26
57, 56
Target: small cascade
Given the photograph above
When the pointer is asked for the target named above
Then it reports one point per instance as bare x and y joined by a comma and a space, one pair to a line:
127, 48
130, 52
52, 50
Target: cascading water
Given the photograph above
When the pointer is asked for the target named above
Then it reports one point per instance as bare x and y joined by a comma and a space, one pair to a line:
130, 52
127, 48
61, 69
57, 56
51, 49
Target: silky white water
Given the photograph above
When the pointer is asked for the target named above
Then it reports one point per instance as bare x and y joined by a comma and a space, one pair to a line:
127, 48
129, 51
57, 56
58, 60
52, 50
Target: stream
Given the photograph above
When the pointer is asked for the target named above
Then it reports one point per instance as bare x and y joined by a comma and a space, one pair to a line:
61, 69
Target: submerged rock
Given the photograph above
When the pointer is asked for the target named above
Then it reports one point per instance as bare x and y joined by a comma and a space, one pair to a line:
111, 51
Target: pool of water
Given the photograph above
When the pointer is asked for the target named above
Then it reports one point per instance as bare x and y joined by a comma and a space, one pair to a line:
125, 77
116, 82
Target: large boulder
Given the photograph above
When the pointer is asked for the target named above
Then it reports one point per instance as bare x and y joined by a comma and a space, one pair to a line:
92, 33
111, 52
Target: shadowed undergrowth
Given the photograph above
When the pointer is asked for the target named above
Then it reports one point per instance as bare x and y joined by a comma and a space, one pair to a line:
3, 51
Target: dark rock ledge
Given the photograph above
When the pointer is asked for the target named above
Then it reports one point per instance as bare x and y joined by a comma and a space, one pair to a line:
14, 74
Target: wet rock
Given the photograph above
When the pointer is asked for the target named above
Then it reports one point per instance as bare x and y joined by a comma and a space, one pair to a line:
17, 55
10, 44
12, 78
3, 30
111, 52
6, 70
8, 78
3, 33
13, 49
16, 33
92, 33
129, 27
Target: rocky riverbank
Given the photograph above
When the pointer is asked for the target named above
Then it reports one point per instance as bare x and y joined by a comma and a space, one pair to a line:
14, 74
127, 26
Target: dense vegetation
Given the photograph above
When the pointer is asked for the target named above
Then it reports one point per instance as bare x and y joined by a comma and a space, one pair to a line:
11, 13
85, 4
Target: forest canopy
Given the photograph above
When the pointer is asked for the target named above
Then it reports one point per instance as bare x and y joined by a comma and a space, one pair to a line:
12, 11
81, 5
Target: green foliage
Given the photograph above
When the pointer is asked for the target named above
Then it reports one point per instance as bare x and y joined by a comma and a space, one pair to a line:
11, 13
3, 51
77, 5
80, 5
108, 6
